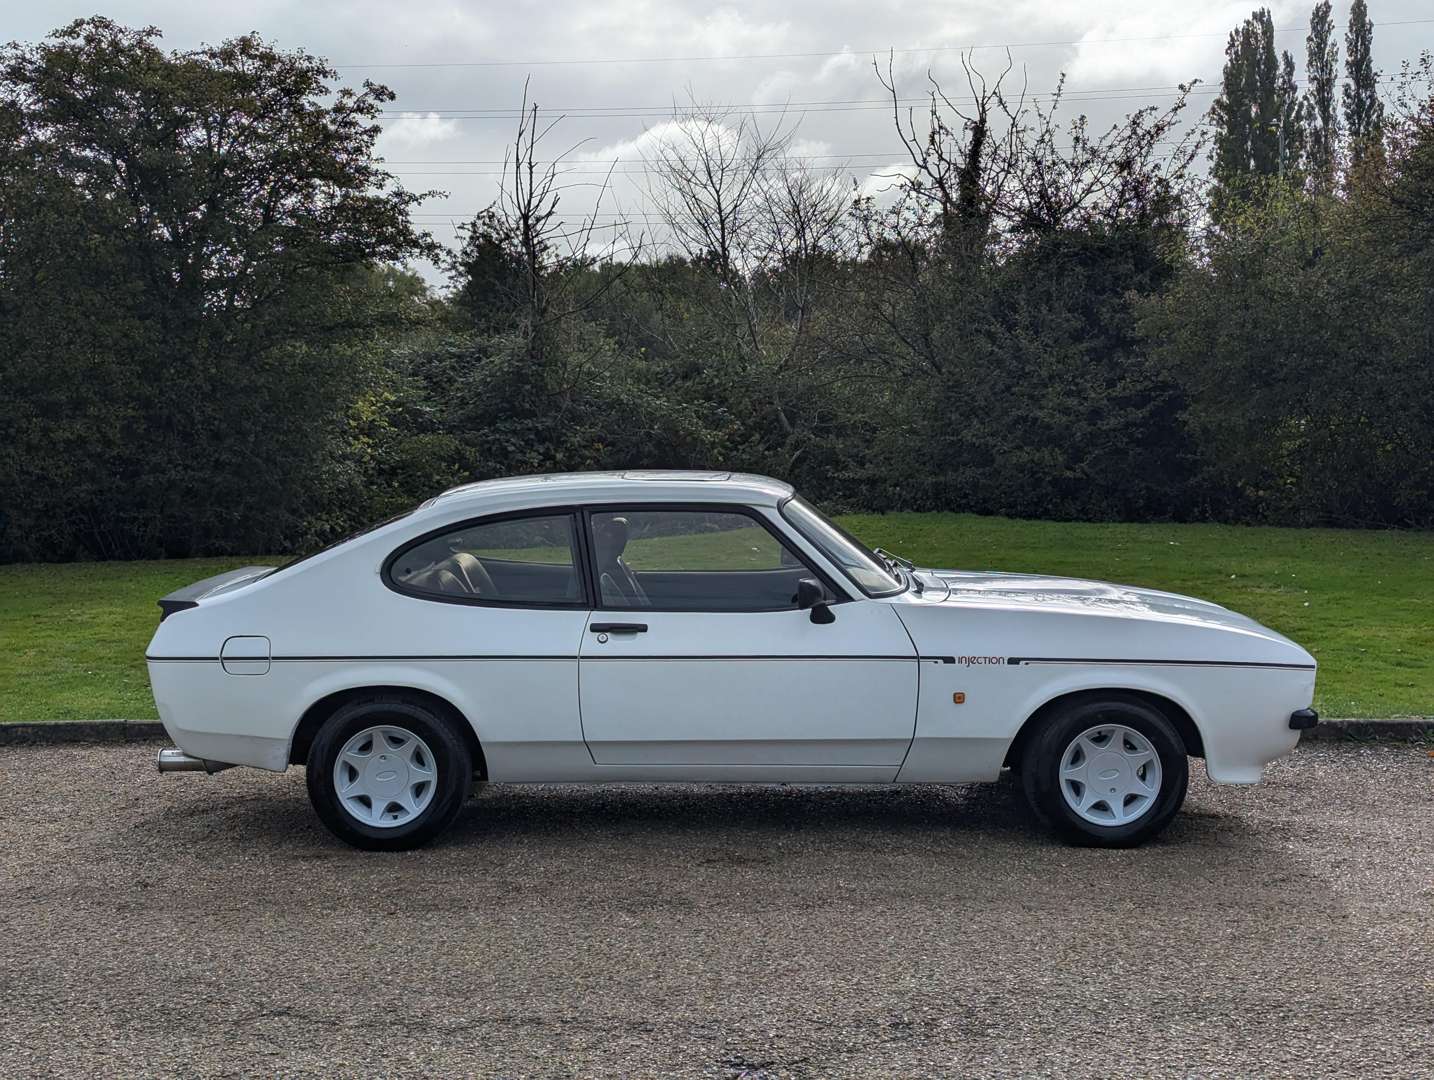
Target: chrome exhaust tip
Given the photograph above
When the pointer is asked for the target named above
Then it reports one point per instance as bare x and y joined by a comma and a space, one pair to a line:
173, 759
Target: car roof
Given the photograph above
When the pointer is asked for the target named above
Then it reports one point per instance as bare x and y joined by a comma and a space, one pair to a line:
638, 485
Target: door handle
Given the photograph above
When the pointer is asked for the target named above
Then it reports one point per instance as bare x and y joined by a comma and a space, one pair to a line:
618, 627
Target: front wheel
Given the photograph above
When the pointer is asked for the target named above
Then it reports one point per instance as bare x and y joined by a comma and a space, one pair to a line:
388, 773
1106, 772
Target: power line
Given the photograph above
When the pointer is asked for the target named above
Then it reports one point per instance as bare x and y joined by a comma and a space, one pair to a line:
668, 113
881, 156
837, 52
884, 102
880, 161
1202, 87
605, 161
603, 215
561, 172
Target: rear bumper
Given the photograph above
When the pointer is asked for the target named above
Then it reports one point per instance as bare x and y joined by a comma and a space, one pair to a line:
210, 715
1303, 719
173, 759
213, 747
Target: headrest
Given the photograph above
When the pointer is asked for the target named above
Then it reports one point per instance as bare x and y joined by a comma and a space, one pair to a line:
437, 580
470, 570
610, 537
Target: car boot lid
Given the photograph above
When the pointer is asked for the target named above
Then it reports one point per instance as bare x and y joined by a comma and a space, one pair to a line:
190, 595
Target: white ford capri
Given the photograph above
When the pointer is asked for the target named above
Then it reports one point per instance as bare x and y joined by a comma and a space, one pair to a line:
679, 626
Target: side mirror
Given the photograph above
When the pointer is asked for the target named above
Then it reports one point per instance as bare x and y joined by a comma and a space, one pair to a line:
812, 597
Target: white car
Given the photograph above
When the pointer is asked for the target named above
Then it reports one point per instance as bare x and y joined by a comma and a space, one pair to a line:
683, 626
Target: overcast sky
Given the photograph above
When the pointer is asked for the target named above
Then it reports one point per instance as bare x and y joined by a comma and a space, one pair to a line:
617, 67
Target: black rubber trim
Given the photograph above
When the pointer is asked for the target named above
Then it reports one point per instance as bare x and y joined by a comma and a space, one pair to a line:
169, 607
1303, 719
1155, 663
190, 595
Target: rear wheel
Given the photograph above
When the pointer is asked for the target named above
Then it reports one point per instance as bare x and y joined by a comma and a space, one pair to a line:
1106, 771
388, 773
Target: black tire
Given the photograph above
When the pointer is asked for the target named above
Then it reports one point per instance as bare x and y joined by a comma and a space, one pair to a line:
452, 763
1041, 763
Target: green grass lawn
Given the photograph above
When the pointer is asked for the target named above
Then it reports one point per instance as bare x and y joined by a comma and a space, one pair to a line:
72, 637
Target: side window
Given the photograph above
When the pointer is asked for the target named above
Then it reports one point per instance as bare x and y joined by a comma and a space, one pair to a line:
692, 560
520, 561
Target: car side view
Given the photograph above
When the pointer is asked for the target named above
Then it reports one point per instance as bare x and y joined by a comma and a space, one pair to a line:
683, 626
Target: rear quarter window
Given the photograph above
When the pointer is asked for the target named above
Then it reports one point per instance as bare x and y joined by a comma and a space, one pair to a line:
516, 561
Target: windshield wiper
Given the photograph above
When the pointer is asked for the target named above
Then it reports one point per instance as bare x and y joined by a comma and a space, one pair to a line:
892, 557
896, 562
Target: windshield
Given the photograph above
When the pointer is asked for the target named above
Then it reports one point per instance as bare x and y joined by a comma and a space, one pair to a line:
860, 563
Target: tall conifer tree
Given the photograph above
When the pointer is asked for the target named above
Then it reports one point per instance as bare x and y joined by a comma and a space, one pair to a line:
1291, 132
1321, 113
1363, 111
1246, 115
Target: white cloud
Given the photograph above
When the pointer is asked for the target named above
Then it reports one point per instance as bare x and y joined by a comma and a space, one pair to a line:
783, 85
418, 129
810, 148
884, 183
1124, 41
845, 64
670, 133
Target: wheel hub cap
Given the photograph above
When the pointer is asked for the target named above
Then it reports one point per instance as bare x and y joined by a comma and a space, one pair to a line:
385, 776
1110, 775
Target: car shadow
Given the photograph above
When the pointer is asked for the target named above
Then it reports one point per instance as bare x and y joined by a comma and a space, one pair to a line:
650, 848
273, 811
678, 810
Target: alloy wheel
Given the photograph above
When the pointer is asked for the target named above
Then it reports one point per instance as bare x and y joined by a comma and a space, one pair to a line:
1110, 775
385, 776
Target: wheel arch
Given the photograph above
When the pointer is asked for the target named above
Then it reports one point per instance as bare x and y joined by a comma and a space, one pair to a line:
1177, 714
315, 715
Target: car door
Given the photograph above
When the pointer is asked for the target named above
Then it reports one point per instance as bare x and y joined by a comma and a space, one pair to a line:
488, 614
697, 654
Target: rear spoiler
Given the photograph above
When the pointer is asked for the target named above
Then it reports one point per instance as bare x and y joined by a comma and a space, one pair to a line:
190, 595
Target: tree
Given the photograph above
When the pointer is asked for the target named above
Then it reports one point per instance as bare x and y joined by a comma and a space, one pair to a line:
962, 157
533, 381
487, 273
179, 241
997, 290
1322, 118
761, 237
1292, 123
1247, 114
1363, 111
1299, 336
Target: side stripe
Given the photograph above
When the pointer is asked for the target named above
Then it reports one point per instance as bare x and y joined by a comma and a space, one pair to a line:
499, 657
1108, 661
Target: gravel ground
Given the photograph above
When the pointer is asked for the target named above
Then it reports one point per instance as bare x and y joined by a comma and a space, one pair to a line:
192, 925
